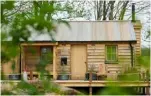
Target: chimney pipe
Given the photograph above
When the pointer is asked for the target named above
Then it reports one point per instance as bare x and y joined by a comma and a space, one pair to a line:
133, 12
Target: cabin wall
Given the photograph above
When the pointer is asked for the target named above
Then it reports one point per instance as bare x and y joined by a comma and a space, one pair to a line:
32, 58
138, 38
124, 56
6, 67
63, 51
137, 29
95, 55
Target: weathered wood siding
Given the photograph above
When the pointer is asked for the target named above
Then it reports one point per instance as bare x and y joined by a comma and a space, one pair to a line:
33, 58
124, 56
63, 51
137, 29
138, 38
6, 67
95, 55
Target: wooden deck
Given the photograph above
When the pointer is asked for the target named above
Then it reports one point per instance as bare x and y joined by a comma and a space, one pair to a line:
82, 83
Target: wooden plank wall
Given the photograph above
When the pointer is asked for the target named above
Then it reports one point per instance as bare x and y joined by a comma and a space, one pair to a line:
124, 56
63, 51
6, 67
95, 55
31, 59
138, 38
137, 28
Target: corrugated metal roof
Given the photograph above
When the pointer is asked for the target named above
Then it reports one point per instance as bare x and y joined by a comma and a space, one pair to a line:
91, 31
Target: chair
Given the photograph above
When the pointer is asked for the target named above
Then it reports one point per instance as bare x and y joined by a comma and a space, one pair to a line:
102, 72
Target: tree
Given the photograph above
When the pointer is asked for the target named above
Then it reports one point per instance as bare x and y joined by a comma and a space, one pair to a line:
106, 10
18, 19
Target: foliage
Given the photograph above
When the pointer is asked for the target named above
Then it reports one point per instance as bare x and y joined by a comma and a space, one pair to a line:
144, 61
37, 88
27, 88
6, 92
39, 18
42, 87
46, 86
2, 75
145, 51
6, 6
113, 90
16, 27
4, 57
13, 66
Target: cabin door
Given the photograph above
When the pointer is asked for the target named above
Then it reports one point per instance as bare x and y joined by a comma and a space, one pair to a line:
78, 62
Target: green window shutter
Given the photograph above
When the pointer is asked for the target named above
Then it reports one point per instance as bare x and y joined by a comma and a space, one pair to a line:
111, 53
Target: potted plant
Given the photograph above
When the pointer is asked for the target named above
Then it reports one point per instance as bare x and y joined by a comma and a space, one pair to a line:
63, 75
14, 76
91, 70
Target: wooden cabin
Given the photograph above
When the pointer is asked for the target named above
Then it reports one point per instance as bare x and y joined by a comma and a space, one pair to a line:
113, 44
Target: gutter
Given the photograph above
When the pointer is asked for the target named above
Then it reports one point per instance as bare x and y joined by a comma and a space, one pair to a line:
131, 48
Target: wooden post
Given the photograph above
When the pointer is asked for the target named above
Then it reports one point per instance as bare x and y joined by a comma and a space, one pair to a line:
148, 81
90, 82
31, 75
54, 62
22, 59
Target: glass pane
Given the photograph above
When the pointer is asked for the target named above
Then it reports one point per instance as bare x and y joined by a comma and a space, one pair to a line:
114, 49
114, 56
109, 50
46, 54
111, 53
108, 56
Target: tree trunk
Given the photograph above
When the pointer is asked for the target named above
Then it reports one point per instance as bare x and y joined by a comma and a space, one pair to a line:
122, 13
111, 10
104, 10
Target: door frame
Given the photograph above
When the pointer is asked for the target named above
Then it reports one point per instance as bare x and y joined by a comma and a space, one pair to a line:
85, 56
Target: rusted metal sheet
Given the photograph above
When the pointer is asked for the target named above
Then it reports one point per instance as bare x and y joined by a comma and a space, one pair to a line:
91, 31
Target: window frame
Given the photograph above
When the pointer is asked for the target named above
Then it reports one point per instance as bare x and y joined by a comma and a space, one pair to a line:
49, 47
64, 57
116, 53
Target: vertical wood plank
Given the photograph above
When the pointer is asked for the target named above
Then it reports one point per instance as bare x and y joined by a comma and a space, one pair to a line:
54, 63
22, 59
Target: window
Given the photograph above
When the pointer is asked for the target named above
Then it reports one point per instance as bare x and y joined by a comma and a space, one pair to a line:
47, 54
111, 53
63, 60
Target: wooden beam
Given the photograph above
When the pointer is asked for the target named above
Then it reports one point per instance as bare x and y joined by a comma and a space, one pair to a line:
54, 63
82, 83
39, 44
22, 59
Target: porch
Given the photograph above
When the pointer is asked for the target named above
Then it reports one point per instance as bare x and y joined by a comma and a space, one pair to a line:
76, 59
99, 83
142, 87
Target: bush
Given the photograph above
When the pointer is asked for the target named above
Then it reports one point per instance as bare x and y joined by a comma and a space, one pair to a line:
27, 88
6, 92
